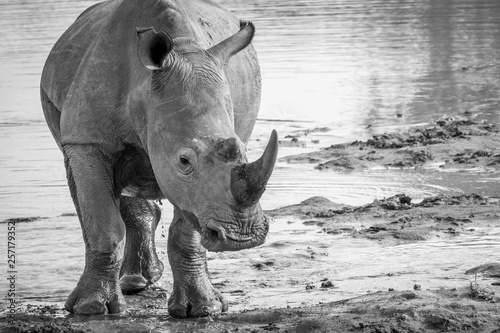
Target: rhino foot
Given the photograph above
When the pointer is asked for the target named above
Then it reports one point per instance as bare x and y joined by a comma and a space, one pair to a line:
141, 266
93, 296
195, 303
131, 283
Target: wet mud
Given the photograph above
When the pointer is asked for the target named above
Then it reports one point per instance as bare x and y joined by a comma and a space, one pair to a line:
444, 310
459, 142
397, 219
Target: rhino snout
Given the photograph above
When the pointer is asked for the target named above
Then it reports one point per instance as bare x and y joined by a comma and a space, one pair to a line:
216, 238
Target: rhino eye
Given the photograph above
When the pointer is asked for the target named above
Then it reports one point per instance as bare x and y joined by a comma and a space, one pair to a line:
184, 165
186, 159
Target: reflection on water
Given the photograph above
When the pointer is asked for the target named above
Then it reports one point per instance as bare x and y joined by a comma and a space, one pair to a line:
363, 62
356, 66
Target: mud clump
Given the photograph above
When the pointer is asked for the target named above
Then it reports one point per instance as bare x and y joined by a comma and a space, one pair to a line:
312, 207
342, 163
300, 138
442, 131
470, 199
488, 269
21, 220
327, 284
459, 142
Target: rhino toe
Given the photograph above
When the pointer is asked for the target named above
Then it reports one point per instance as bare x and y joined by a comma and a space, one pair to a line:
202, 309
89, 308
197, 306
178, 310
206, 309
131, 284
117, 304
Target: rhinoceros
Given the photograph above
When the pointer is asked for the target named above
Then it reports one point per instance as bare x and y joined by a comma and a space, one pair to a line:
151, 100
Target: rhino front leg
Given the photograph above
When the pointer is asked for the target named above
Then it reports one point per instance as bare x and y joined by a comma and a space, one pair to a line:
141, 266
89, 175
193, 294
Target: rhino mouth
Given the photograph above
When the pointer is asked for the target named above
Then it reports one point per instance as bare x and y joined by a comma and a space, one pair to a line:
216, 238
240, 239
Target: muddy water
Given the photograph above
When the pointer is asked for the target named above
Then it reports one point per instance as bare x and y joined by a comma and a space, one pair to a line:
357, 67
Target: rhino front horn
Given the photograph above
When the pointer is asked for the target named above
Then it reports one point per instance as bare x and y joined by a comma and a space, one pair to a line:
248, 181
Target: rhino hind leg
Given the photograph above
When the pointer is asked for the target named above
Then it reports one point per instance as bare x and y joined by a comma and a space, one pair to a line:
193, 294
141, 266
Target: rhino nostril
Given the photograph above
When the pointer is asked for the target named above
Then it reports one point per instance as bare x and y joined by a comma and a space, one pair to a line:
218, 229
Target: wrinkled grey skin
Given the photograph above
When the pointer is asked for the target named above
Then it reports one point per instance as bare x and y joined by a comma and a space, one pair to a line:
150, 100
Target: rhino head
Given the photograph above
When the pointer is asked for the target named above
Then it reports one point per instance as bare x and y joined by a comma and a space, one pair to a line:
185, 121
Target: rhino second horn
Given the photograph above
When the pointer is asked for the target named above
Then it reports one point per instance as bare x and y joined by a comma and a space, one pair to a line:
248, 181
234, 44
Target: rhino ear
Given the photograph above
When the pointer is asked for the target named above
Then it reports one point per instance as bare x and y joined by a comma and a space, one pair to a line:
153, 47
234, 44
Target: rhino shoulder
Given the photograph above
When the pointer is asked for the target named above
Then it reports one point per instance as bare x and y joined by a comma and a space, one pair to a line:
66, 56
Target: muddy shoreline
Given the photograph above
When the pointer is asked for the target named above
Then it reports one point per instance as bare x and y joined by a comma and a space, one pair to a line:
474, 306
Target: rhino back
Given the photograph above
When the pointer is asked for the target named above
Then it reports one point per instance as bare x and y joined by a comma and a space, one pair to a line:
94, 64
